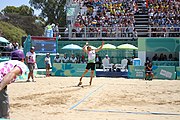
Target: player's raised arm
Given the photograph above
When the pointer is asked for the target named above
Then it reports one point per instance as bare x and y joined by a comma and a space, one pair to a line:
84, 49
97, 50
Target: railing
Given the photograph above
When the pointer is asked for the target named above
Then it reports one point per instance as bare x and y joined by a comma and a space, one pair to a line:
117, 32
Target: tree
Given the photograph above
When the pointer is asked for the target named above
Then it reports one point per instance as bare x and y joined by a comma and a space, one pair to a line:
27, 23
22, 10
53, 10
11, 32
23, 17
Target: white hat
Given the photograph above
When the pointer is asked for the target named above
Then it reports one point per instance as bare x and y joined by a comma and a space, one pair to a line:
107, 55
47, 53
57, 53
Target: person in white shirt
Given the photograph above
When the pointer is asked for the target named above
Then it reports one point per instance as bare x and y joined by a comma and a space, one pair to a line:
73, 59
91, 61
48, 64
65, 59
9, 70
57, 59
31, 61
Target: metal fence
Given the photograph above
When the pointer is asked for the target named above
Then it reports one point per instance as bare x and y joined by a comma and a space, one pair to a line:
116, 32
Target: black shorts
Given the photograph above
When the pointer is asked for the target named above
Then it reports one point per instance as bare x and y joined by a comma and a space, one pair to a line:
90, 66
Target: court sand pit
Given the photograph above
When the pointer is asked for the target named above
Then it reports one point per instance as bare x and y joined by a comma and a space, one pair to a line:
57, 98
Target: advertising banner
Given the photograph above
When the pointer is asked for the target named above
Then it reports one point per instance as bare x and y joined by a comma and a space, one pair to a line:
69, 69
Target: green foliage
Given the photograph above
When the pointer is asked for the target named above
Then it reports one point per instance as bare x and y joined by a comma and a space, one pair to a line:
23, 17
22, 10
11, 32
27, 23
53, 10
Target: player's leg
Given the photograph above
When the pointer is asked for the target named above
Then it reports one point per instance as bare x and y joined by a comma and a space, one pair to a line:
146, 75
30, 72
80, 82
92, 72
4, 104
48, 70
152, 75
92, 75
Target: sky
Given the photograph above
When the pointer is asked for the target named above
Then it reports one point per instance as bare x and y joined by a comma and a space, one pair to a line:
17, 3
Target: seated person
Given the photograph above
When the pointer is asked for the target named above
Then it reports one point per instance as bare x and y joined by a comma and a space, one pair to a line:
106, 63
57, 59
155, 57
148, 71
65, 59
73, 59
107, 58
98, 61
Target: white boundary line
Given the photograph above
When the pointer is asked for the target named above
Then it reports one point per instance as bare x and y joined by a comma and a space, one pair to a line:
86, 97
128, 112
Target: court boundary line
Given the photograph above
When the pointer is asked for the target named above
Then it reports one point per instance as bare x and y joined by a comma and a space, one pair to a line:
128, 112
86, 97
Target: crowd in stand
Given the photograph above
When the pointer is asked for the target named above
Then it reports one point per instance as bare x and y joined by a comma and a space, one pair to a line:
164, 57
164, 16
114, 18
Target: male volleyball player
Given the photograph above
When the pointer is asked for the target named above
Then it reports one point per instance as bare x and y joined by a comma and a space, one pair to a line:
9, 70
91, 61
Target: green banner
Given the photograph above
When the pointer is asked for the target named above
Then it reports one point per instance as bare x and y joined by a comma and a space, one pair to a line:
160, 72
69, 69
178, 73
164, 72
136, 71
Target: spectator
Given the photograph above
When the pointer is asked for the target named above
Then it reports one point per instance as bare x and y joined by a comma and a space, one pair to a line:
48, 64
73, 59
155, 57
65, 59
149, 72
107, 58
57, 59
161, 58
31, 61
98, 61
170, 58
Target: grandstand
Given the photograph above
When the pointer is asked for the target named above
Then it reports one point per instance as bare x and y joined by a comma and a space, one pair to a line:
122, 19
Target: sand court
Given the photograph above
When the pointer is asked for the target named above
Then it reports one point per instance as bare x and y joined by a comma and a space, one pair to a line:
107, 99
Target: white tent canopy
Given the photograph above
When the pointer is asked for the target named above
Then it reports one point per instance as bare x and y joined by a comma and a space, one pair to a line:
3, 40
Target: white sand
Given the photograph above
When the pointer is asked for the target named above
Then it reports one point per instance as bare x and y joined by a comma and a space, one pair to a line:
51, 98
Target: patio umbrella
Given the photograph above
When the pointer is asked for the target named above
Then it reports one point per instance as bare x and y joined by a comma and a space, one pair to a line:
92, 47
127, 47
4, 40
72, 47
108, 47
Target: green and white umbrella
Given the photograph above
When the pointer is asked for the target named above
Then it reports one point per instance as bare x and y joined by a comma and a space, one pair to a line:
108, 47
127, 47
72, 47
4, 40
92, 47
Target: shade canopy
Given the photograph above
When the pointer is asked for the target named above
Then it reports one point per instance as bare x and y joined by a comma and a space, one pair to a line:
92, 47
109, 46
72, 47
127, 47
4, 40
